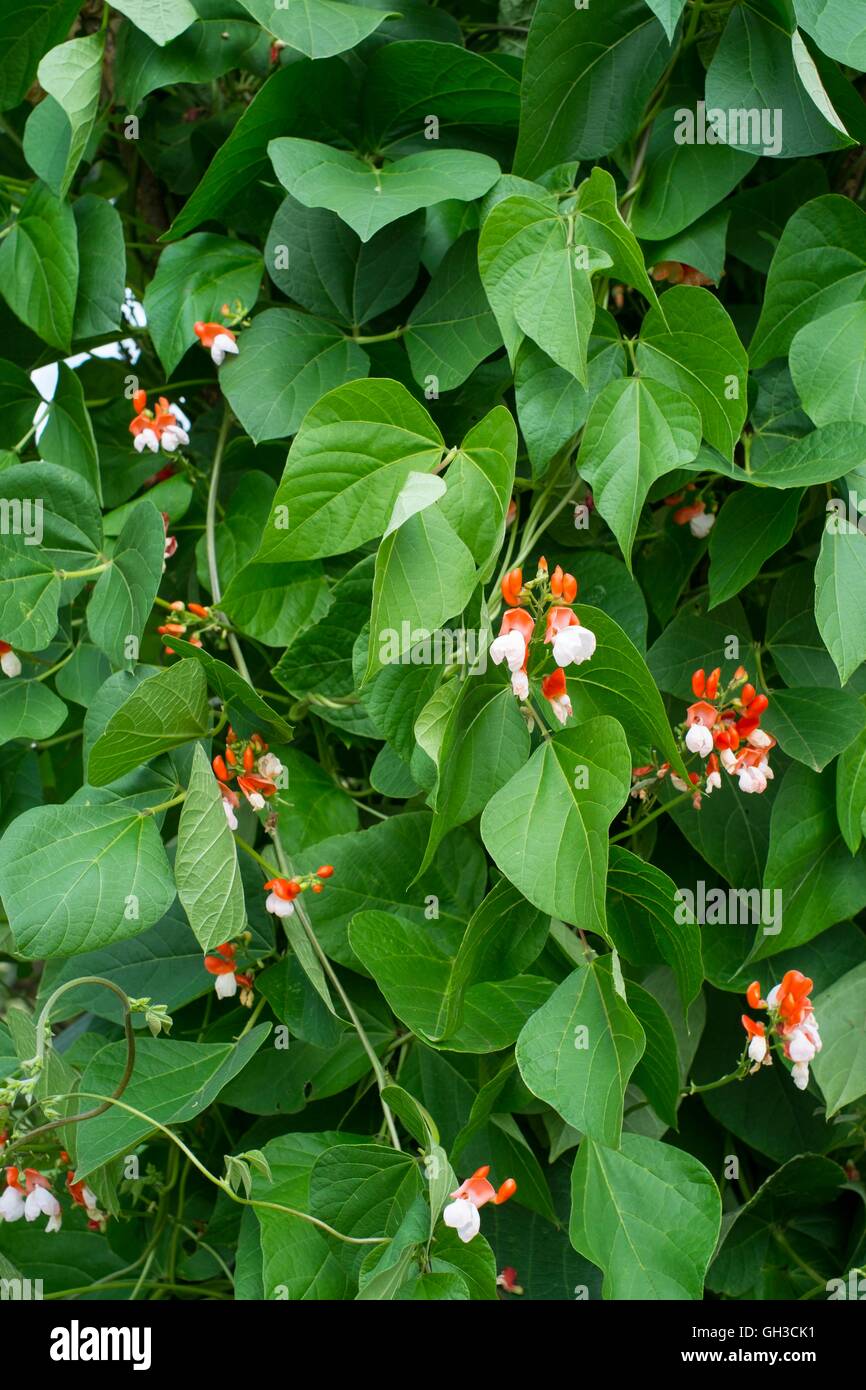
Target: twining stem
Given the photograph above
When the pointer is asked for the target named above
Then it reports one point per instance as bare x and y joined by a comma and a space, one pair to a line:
653, 815
378, 1069
26, 1140
210, 540
205, 1172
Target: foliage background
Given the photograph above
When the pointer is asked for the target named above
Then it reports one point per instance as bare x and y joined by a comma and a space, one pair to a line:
359, 289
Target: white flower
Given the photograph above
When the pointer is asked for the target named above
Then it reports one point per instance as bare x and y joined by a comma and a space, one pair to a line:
222, 344
699, 740
172, 438
758, 739
225, 985
281, 907
800, 1047
230, 814
9, 664
702, 524
41, 1202
147, 439
509, 647
728, 759
561, 707
257, 801
752, 779
11, 1205
714, 782
520, 685
800, 1075
758, 1049
462, 1216
573, 645
270, 767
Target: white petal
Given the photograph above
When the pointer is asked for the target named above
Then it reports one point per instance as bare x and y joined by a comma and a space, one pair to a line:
281, 907
574, 644
800, 1048
462, 1216
509, 647
10, 665
11, 1205
800, 1075
520, 685
699, 740
225, 985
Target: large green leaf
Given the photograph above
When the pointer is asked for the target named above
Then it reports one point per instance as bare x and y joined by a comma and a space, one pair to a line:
479, 485
814, 725
241, 698
76, 878
750, 527
547, 827
29, 710
643, 922
161, 713
346, 467
690, 344
208, 48
599, 223
451, 328
272, 603
840, 1067
367, 197
683, 179
626, 1203
39, 266
161, 20
28, 28
851, 792
828, 365
123, 597
318, 28
68, 438
59, 128
837, 26
206, 865
587, 77
840, 596
514, 234
824, 455
578, 1052
637, 430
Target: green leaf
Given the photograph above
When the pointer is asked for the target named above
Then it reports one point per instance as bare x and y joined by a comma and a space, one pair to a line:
516, 231
272, 603
554, 306
546, 829
809, 863
315, 259
840, 1067
624, 1205
819, 265
828, 364
587, 77
451, 328
28, 28
600, 224
289, 361
364, 1189
206, 50
838, 28
464, 89
424, 575
643, 922
690, 344
637, 431
318, 28
101, 267
19, 401
206, 866
193, 279
750, 527
162, 713
29, 710
756, 55
242, 700
820, 457
161, 20
699, 638
813, 726
123, 597
29, 595
618, 682
68, 438
658, 1071
369, 198
172, 1082
76, 878
71, 75
578, 1052
39, 266
479, 486
346, 467
683, 179
851, 792
668, 13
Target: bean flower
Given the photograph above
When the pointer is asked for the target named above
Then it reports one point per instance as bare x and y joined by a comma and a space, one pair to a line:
156, 429
283, 891
461, 1215
10, 664
31, 1199
227, 978
256, 769
84, 1196
548, 597
218, 339
792, 1022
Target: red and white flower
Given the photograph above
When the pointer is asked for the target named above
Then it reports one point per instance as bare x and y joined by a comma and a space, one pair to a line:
699, 740
793, 1021
219, 339
85, 1197
554, 689
10, 665
280, 899
462, 1212
512, 644
152, 429
572, 643
31, 1199
221, 964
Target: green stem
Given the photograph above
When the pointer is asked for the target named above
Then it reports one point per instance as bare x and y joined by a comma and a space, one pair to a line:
210, 540
653, 815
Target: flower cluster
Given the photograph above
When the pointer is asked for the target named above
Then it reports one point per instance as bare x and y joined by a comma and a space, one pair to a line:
156, 429
699, 518
548, 597
724, 726
283, 891
462, 1212
10, 664
221, 963
792, 1020
255, 768
30, 1199
188, 615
